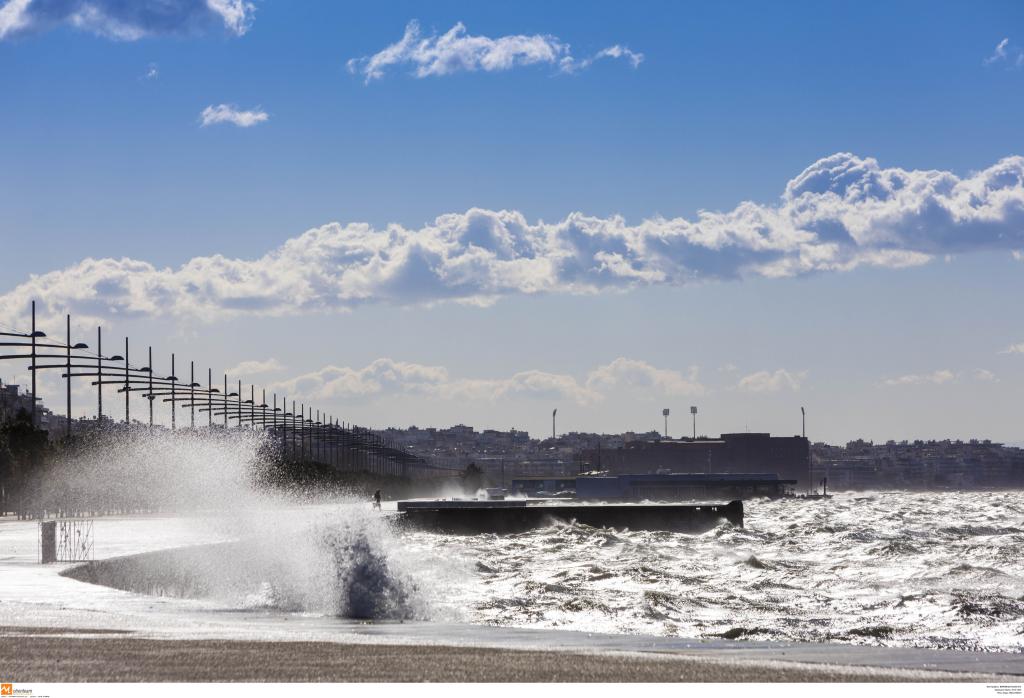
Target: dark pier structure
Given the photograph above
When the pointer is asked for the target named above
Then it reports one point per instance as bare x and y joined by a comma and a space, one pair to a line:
517, 515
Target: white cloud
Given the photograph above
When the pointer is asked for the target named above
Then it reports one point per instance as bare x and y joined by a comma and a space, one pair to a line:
14, 17
640, 376
126, 21
999, 53
985, 375
840, 213
935, 377
227, 114
568, 64
236, 14
249, 368
771, 381
1014, 349
457, 51
942, 376
389, 377
152, 72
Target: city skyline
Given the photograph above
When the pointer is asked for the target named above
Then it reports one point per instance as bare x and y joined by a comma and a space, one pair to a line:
462, 214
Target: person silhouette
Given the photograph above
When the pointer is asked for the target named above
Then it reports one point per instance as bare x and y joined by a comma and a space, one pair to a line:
376, 499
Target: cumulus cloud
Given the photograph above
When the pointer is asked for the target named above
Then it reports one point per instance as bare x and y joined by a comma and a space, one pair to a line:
249, 368
840, 213
229, 114
126, 21
643, 377
389, 377
14, 17
1014, 349
458, 51
771, 381
935, 377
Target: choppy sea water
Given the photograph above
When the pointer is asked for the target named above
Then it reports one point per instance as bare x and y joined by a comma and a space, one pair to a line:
938, 570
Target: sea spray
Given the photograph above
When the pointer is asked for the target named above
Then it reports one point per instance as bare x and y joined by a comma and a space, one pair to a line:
308, 552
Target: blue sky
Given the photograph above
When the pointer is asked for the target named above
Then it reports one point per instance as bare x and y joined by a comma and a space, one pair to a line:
729, 103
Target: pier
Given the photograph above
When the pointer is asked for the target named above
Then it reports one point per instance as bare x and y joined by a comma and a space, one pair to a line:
511, 516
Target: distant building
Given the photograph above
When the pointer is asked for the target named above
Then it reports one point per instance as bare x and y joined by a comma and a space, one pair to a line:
788, 457
12, 401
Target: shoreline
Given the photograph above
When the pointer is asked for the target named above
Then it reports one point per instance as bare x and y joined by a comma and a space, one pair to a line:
59, 655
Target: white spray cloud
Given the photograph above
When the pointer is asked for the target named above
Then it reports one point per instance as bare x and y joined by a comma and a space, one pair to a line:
457, 51
126, 21
230, 114
841, 212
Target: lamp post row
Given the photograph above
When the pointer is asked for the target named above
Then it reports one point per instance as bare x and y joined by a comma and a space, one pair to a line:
329, 438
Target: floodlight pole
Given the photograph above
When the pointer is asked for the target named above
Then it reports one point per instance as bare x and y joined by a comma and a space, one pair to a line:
68, 354
553, 413
173, 381
127, 393
803, 431
34, 398
151, 388
99, 376
192, 393
209, 397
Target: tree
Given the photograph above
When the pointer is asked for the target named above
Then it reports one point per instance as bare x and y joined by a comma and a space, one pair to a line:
26, 447
472, 478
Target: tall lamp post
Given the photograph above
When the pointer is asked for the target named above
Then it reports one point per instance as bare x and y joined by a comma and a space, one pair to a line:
553, 413
803, 432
